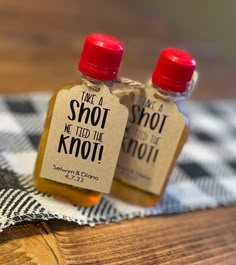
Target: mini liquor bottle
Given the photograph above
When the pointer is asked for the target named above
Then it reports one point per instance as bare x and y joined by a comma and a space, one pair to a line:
84, 127
156, 130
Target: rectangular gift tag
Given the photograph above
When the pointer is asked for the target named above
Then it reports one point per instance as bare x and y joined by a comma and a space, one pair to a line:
84, 139
151, 139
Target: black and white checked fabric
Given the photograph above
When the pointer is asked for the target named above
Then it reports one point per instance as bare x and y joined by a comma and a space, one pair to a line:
204, 177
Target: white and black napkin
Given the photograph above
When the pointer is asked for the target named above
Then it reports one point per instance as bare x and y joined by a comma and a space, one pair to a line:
204, 177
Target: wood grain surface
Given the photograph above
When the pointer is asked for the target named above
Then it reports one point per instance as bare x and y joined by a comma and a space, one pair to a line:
39, 49
206, 237
201, 237
29, 244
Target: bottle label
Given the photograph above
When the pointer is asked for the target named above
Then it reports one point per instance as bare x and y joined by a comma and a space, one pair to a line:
150, 144
84, 138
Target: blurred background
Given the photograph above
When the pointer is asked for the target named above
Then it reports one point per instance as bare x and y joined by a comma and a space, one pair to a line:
41, 40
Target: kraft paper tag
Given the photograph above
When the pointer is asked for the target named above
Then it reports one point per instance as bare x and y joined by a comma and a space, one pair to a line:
151, 139
85, 137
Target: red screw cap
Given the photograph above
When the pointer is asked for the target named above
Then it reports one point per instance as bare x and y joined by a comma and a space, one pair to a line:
174, 70
101, 57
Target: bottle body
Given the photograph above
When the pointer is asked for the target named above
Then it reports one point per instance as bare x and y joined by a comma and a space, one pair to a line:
136, 195
72, 162
75, 195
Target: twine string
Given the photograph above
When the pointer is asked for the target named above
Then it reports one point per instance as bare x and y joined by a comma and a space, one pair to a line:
90, 85
167, 96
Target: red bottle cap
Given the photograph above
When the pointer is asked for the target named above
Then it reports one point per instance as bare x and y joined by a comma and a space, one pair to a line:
101, 57
174, 70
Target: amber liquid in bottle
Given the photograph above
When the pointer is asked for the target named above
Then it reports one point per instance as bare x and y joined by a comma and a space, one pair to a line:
75, 195
129, 193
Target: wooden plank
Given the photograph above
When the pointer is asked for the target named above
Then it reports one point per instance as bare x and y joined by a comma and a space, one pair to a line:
202, 237
41, 43
29, 244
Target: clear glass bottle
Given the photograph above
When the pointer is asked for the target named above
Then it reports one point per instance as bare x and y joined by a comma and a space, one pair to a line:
172, 79
99, 63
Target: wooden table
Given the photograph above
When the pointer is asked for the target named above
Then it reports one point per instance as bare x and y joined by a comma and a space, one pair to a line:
39, 48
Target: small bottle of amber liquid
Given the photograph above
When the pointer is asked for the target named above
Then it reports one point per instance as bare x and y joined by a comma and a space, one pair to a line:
156, 130
77, 153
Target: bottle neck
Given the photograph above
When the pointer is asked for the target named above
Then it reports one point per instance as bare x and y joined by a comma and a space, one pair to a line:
177, 96
97, 82
170, 95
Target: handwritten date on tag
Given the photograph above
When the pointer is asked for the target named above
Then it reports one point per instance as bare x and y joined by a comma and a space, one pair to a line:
84, 139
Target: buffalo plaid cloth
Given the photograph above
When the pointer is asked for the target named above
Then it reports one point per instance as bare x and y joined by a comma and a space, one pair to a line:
204, 177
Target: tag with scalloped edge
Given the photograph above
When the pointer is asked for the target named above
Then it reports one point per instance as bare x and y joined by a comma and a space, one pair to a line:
153, 136
84, 138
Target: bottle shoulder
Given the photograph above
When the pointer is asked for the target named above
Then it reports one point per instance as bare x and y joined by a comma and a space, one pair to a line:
66, 86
